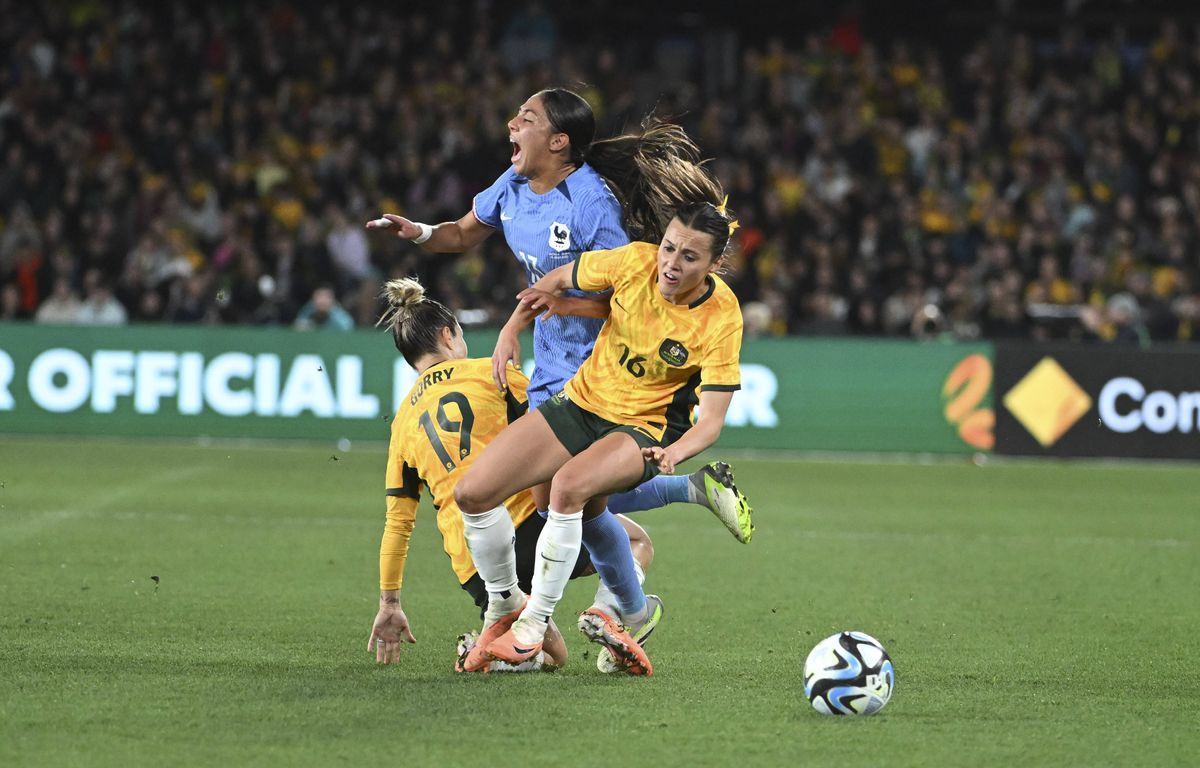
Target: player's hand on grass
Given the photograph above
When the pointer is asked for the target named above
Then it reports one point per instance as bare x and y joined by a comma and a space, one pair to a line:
403, 228
508, 350
390, 629
660, 457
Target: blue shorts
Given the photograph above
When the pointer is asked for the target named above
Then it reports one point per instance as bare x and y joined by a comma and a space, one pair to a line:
542, 389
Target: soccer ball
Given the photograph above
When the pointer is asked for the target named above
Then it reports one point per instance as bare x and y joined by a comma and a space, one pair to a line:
848, 674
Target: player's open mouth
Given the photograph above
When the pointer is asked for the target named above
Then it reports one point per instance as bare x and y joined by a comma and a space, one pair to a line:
516, 155
670, 279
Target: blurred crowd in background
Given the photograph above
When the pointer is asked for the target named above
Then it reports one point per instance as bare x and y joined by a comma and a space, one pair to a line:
216, 162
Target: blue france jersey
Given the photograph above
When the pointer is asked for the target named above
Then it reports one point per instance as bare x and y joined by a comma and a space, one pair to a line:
546, 231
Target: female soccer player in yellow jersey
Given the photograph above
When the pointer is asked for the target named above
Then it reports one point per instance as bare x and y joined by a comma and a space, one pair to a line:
451, 413
567, 193
674, 328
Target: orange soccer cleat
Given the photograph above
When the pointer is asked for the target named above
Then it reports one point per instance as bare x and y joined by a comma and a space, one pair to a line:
508, 647
477, 658
624, 648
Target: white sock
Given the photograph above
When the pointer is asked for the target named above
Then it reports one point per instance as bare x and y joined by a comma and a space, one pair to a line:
529, 629
607, 601
557, 550
695, 488
490, 539
500, 606
636, 619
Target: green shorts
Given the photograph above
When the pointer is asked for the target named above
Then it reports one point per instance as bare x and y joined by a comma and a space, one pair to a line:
577, 429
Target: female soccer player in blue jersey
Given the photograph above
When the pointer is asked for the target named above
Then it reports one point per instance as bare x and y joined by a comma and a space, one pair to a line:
552, 204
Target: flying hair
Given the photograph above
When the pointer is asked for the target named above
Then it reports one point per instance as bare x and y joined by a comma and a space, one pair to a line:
654, 172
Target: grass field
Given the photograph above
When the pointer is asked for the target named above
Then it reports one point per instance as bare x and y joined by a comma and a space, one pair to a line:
1037, 614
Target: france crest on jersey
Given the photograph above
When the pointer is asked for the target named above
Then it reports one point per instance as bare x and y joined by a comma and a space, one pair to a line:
544, 232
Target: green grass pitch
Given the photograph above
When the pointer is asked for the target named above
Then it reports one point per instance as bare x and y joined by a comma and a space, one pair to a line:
1037, 614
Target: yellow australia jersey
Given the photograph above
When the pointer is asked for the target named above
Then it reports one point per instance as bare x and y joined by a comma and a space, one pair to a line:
653, 357
451, 413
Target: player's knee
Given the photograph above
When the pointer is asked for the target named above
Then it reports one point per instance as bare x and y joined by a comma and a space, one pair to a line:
568, 492
471, 497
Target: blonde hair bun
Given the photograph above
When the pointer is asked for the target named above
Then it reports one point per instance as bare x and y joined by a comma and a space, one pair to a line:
401, 295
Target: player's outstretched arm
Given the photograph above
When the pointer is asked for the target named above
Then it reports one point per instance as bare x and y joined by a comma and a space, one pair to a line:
702, 434
508, 345
549, 305
556, 280
391, 625
447, 237
390, 628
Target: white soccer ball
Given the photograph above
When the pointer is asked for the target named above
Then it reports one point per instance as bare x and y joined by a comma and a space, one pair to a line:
848, 674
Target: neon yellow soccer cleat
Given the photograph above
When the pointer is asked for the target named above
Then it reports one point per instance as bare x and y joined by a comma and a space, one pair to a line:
725, 500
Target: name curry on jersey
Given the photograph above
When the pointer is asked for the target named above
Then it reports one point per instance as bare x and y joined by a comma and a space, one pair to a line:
450, 413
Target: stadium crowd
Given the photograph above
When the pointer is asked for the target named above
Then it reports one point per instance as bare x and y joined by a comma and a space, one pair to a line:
214, 163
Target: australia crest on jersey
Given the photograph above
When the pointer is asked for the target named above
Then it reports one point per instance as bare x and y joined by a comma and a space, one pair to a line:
560, 237
673, 352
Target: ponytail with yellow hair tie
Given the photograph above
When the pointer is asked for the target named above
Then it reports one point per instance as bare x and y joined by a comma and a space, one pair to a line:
733, 223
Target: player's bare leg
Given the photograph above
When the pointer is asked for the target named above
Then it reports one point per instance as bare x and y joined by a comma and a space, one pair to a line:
507, 466
523, 455
614, 461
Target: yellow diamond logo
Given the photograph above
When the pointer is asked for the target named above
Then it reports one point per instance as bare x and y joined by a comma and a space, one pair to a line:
1047, 402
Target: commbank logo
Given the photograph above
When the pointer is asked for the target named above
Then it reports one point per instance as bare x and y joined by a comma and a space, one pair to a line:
965, 390
1047, 402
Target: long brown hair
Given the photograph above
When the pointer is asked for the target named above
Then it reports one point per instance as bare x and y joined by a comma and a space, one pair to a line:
653, 172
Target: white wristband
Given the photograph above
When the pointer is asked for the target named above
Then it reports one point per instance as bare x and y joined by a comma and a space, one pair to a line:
426, 232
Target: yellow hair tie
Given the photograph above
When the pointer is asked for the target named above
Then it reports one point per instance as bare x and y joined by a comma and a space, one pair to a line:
733, 224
